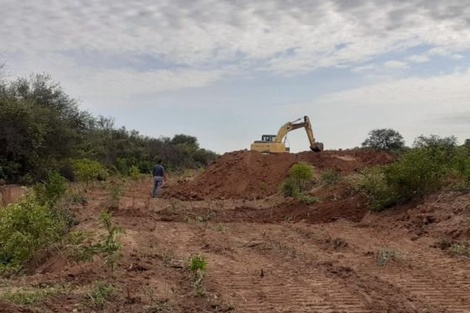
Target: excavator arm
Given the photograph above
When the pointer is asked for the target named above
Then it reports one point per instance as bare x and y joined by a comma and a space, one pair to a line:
314, 146
289, 126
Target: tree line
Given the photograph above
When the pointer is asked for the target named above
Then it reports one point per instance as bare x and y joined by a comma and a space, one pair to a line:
43, 130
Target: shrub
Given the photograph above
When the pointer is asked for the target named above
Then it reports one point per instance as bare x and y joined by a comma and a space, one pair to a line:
417, 173
461, 164
52, 189
301, 174
134, 172
25, 228
381, 195
289, 188
87, 170
330, 177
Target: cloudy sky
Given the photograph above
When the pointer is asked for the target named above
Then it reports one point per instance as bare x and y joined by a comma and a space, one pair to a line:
229, 71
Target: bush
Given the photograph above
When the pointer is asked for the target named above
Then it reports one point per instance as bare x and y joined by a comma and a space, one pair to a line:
51, 190
461, 164
380, 194
289, 188
134, 172
301, 174
87, 170
330, 177
25, 228
417, 173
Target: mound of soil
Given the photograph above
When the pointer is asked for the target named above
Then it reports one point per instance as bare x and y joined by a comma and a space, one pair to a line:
250, 174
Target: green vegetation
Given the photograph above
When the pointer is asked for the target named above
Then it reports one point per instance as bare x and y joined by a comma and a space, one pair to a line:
384, 256
384, 139
31, 296
461, 249
86, 170
433, 163
100, 295
25, 228
330, 177
299, 179
42, 129
197, 266
81, 248
116, 189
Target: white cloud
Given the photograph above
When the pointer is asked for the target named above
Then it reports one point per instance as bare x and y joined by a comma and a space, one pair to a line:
393, 64
130, 82
178, 44
365, 68
288, 36
419, 58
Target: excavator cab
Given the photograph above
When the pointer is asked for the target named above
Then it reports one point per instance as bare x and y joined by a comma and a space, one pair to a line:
268, 138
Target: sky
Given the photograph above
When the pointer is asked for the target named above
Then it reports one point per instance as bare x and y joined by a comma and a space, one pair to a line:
229, 71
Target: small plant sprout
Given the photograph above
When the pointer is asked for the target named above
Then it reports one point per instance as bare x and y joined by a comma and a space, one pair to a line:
99, 295
197, 266
384, 256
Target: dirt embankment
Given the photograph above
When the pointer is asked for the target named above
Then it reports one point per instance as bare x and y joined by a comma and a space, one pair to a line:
250, 174
10, 194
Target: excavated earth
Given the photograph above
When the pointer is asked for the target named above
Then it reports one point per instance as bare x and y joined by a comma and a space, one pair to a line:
248, 175
264, 253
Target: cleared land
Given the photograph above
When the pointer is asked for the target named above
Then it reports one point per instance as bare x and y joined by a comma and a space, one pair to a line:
264, 253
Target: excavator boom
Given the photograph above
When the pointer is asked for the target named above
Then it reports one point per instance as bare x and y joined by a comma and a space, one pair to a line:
274, 144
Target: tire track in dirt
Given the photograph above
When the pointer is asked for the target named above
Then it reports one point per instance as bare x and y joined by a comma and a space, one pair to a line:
263, 277
423, 273
304, 273
343, 288
284, 290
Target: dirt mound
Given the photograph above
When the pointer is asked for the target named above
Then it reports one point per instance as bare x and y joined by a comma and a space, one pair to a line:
250, 174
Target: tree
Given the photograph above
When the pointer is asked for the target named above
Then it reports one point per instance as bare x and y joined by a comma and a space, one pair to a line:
384, 139
434, 141
443, 149
467, 143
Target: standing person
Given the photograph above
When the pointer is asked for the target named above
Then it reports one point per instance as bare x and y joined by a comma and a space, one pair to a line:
159, 176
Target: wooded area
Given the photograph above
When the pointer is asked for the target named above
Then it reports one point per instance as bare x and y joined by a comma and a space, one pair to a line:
43, 130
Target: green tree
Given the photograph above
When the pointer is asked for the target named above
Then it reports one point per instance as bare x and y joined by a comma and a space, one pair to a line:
384, 139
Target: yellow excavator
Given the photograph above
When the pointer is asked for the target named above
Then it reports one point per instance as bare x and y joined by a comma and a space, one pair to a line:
276, 144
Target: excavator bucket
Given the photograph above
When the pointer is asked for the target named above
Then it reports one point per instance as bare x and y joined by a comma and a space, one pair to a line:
318, 147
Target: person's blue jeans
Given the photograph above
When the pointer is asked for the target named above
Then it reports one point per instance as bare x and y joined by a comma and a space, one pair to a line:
157, 186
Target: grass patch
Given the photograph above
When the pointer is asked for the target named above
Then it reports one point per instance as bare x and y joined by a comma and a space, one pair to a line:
31, 296
99, 295
460, 249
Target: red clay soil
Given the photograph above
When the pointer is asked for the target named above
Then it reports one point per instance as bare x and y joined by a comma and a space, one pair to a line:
250, 174
339, 204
